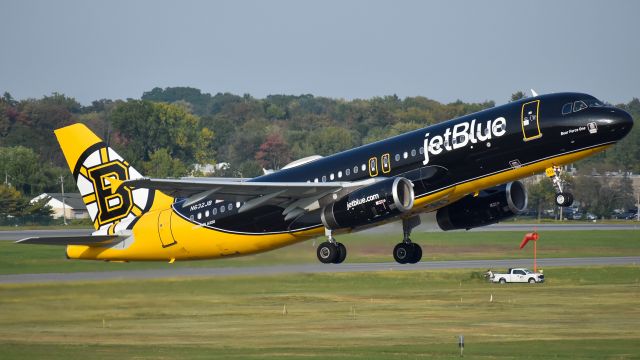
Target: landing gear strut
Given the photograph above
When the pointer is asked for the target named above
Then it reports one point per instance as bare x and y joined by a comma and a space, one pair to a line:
563, 199
408, 252
331, 251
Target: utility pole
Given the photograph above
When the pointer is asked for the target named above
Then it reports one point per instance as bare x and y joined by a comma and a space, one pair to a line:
64, 205
638, 208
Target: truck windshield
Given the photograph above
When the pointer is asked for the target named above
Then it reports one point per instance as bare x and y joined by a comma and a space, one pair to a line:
526, 271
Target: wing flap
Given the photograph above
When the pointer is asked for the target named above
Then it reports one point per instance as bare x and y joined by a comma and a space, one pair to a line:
89, 240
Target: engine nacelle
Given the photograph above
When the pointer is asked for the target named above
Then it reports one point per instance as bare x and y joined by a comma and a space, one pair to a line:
371, 204
489, 207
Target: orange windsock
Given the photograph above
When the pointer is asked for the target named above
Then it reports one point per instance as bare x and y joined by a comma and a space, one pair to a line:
529, 236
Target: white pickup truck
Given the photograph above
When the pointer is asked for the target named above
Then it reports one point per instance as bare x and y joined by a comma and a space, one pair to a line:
517, 275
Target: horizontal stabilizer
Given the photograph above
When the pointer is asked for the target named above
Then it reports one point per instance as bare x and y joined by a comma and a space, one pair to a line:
96, 240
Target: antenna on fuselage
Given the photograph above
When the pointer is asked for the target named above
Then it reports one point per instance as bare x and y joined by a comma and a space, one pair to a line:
533, 93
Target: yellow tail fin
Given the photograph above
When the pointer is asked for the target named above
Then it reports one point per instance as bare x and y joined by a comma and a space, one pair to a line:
97, 170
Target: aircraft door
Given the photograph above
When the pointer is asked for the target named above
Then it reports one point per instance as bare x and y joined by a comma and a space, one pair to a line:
164, 228
530, 120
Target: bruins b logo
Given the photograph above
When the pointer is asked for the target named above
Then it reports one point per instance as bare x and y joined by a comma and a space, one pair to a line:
112, 204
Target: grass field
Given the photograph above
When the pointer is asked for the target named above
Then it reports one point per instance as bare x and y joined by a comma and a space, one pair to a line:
362, 247
579, 313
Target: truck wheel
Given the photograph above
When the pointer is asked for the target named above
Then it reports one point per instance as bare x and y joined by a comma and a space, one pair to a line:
532, 281
503, 281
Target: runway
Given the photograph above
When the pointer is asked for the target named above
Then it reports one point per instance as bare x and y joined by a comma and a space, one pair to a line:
393, 228
307, 269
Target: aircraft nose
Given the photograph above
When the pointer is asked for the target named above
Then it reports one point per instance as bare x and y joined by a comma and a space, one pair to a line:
620, 121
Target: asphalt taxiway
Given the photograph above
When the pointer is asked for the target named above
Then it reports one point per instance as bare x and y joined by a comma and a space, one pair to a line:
393, 228
308, 268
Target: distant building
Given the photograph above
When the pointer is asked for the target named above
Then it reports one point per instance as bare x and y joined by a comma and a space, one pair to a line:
74, 206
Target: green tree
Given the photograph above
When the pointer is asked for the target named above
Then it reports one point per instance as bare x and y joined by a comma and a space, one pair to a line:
147, 127
11, 201
541, 196
330, 140
624, 193
162, 165
518, 95
20, 166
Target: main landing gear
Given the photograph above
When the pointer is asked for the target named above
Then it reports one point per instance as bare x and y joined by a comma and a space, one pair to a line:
331, 251
408, 252
564, 199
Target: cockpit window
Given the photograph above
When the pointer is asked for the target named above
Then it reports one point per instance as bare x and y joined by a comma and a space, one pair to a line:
594, 103
579, 105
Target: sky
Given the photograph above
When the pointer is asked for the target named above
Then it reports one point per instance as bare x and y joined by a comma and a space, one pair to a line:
444, 50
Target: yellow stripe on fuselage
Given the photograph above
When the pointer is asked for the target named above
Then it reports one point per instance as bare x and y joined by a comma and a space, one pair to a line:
197, 242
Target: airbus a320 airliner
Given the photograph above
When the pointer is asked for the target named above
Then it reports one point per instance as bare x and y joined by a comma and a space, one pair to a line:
465, 169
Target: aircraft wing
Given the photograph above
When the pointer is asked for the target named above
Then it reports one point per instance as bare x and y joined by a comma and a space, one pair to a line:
95, 240
296, 197
225, 188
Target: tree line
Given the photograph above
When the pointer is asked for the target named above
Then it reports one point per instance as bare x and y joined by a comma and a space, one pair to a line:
167, 131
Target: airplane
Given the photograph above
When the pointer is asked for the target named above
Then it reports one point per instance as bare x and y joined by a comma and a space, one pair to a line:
466, 170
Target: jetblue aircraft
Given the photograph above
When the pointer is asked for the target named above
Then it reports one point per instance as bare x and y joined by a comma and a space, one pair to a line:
465, 169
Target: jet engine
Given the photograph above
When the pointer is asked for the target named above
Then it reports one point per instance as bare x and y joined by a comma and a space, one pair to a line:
376, 202
489, 207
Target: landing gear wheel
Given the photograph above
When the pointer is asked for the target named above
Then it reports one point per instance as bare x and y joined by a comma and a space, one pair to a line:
570, 199
564, 199
328, 252
342, 253
417, 253
403, 253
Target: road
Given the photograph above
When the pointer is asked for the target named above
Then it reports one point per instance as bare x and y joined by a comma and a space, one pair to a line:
393, 228
307, 268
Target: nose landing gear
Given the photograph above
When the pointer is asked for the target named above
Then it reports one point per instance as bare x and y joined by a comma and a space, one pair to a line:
564, 199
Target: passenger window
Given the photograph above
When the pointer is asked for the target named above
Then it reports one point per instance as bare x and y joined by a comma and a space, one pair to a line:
397, 157
206, 213
364, 167
405, 155
339, 174
579, 105
566, 109
413, 152
230, 207
421, 150
214, 211
324, 178
331, 177
355, 169
347, 172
